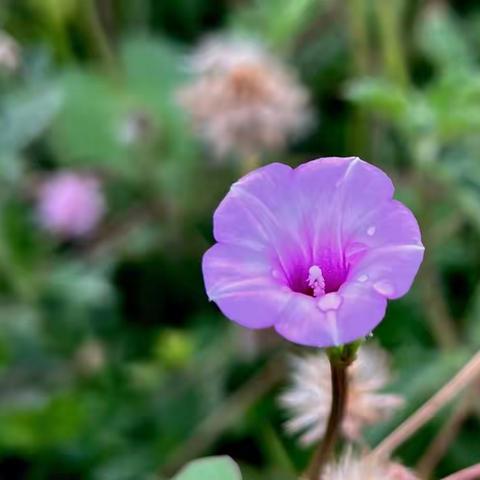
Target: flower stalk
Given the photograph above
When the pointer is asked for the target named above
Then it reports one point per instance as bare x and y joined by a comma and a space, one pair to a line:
340, 359
466, 376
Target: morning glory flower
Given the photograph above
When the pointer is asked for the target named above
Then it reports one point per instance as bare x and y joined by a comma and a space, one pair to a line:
314, 252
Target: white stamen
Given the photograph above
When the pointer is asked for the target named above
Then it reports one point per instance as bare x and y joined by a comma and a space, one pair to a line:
316, 281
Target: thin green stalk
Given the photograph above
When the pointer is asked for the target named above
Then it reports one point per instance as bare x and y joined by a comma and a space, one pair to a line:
389, 19
360, 51
359, 35
92, 26
467, 375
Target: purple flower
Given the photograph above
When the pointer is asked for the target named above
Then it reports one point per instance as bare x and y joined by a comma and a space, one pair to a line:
314, 251
70, 205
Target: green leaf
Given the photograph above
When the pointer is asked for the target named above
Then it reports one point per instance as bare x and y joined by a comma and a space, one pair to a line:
25, 115
213, 468
279, 28
379, 96
87, 130
441, 38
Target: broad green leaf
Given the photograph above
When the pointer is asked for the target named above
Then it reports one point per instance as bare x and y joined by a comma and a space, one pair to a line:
25, 115
117, 123
441, 38
87, 131
379, 96
213, 468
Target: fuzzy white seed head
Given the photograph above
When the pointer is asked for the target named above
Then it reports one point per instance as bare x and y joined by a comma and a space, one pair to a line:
243, 101
307, 400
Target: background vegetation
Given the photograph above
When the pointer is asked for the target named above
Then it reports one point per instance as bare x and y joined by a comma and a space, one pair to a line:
113, 365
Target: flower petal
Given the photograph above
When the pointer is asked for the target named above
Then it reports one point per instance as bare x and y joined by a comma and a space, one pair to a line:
244, 284
258, 213
360, 311
390, 223
389, 270
302, 322
335, 193
389, 250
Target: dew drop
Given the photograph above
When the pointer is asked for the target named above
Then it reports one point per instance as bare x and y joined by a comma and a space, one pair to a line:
330, 301
371, 231
383, 287
363, 278
275, 273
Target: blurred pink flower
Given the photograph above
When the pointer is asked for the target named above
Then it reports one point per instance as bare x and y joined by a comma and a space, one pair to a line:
70, 205
244, 100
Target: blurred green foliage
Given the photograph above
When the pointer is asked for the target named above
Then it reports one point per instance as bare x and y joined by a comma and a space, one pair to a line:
112, 363
221, 468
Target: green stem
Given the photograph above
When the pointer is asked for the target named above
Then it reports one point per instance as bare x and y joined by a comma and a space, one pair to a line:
360, 48
98, 40
340, 359
389, 17
359, 36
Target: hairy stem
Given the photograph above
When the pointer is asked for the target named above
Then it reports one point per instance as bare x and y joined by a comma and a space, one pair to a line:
467, 375
338, 367
470, 473
445, 437
93, 28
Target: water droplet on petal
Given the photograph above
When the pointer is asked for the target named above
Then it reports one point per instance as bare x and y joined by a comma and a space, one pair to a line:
371, 231
275, 273
384, 287
330, 301
363, 278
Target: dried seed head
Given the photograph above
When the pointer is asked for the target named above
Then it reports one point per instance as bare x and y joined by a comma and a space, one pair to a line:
244, 101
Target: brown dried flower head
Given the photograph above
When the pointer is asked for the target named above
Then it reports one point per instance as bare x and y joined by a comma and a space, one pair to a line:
308, 398
243, 101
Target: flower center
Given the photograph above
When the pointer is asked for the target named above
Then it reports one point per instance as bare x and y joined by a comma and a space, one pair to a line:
325, 274
316, 281
248, 83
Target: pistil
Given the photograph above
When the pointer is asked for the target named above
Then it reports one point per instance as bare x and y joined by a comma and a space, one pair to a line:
316, 281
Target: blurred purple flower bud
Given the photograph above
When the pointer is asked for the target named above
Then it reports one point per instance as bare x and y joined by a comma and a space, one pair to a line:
70, 205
